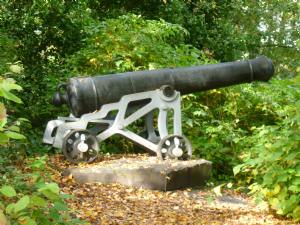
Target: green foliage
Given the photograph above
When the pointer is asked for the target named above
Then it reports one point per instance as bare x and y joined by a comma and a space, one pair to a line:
211, 26
7, 128
209, 22
130, 43
227, 30
57, 39
8, 52
44, 32
271, 159
218, 121
253, 124
35, 202
271, 29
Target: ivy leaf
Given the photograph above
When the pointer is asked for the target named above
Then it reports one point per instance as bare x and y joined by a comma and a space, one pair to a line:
118, 63
194, 55
49, 194
66, 196
237, 168
275, 156
39, 185
209, 199
217, 190
14, 135
9, 81
199, 113
15, 128
15, 68
286, 83
10, 96
23, 119
268, 178
61, 206
3, 138
236, 140
293, 188
297, 79
8, 191
2, 111
54, 214
22, 221
26, 220
9, 86
274, 202
39, 201
9, 208
53, 187
296, 211
296, 181
276, 189
2, 218
189, 122
282, 177
3, 122
268, 145
22, 203
45, 221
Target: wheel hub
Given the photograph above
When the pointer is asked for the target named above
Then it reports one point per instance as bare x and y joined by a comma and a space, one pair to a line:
80, 146
174, 146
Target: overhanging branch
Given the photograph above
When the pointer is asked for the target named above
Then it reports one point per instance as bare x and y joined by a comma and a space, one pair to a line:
269, 45
274, 45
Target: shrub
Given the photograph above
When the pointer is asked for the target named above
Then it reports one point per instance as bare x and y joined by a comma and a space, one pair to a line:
30, 198
271, 162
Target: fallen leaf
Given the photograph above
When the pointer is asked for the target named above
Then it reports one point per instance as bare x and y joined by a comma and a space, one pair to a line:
22, 221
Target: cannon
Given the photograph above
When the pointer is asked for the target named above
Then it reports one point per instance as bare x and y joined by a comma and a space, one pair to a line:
101, 106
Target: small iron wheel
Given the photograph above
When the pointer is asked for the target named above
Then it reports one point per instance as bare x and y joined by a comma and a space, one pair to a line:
80, 146
174, 146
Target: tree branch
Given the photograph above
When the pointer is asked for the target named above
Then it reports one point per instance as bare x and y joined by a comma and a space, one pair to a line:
269, 45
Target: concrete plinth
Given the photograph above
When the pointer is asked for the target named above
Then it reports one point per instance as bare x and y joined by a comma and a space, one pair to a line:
147, 173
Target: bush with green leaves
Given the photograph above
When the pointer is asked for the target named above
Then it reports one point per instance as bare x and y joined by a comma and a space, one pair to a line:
271, 155
226, 29
44, 32
9, 129
30, 198
8, 52
218, 121
208, 22
131, 43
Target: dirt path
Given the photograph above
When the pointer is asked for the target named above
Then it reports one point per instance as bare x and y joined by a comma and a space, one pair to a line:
116, 204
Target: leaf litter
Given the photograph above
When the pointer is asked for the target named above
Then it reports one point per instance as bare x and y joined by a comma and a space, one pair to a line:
117, 204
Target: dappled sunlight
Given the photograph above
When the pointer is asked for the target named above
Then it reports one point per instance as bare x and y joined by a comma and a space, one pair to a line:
117, 204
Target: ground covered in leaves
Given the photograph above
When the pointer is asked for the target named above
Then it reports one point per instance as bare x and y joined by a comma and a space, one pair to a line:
117, 204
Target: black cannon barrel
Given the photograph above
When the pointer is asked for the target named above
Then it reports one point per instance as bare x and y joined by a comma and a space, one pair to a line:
87, 94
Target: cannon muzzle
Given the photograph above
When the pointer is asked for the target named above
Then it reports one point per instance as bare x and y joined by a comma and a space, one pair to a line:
86, 94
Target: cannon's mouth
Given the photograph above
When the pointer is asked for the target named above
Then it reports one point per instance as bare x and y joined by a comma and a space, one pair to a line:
263, 68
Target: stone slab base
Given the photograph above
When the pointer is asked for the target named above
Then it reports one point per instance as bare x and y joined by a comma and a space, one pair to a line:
147, 173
